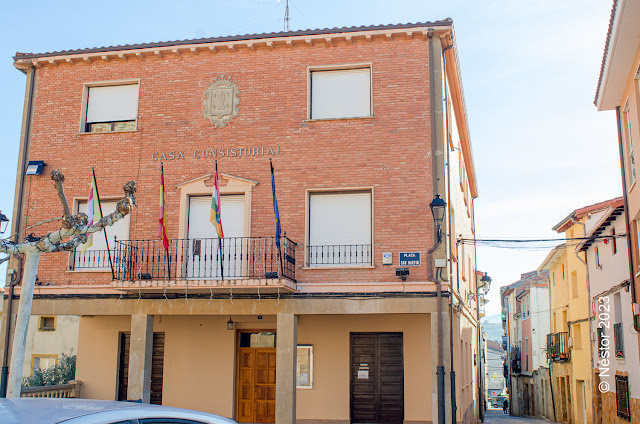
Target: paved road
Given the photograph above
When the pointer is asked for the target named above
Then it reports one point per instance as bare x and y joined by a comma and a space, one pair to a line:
498, 417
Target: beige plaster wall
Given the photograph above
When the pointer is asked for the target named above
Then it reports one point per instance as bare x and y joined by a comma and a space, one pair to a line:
329, 335
199, 363
97, 361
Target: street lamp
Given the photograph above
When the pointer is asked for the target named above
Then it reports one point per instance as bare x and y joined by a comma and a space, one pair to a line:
486, 282
438, 207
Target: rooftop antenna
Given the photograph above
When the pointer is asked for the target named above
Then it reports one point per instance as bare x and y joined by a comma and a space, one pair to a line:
286, 17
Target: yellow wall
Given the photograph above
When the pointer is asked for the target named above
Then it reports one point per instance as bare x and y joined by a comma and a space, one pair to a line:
569, 293
199, 360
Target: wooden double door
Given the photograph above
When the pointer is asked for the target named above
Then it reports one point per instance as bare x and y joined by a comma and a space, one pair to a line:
377, 378
256, 383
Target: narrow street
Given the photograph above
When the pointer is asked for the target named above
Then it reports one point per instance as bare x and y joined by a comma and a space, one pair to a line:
495, 416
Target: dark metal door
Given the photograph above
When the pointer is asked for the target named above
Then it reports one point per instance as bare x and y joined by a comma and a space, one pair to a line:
377, 378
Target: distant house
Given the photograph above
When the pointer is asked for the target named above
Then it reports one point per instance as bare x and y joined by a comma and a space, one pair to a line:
48, 338
494, 364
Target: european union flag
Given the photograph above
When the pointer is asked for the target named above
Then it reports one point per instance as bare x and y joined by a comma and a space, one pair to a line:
275, 206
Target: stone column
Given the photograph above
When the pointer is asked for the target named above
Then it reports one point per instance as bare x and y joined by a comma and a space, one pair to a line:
286, 356
140, 352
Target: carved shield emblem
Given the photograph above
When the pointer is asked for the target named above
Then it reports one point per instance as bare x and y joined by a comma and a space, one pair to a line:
221, 101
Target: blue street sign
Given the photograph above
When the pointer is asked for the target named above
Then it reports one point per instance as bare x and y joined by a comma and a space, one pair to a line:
409, 259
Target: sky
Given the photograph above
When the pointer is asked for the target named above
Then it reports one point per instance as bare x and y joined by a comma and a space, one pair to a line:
529, 70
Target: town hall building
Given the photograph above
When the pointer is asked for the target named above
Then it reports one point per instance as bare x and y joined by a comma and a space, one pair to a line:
362, 310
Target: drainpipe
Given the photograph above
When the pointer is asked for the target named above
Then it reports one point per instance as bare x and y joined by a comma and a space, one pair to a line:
440, 368
434, 161
452, 372
586, 268
632, 268
16, 223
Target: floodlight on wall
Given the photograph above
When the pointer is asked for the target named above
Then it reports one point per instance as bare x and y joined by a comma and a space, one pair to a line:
402, 273
35, 167
4, 223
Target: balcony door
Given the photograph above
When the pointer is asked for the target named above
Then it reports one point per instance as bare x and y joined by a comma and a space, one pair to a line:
203, 258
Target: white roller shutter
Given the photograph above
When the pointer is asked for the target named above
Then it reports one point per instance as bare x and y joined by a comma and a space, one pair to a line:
203, 248
95, 257
112, 103
232, 213
340, 228
341, 93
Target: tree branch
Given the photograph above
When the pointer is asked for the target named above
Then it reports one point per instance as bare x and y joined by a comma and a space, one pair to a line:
58, 179
77, 225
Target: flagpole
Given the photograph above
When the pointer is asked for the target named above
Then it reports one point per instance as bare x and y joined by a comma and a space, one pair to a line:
277, 212
164, 224
220, 247
106, 239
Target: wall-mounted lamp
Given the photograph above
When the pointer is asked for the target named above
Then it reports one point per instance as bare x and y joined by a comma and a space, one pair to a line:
230, 324
35, 167
486, 282
438, 207
403, 273
4, 222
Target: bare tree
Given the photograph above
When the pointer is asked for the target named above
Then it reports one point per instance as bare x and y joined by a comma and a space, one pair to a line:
74, 230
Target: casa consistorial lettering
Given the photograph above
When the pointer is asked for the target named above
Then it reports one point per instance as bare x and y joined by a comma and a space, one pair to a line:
227, 152
221, 101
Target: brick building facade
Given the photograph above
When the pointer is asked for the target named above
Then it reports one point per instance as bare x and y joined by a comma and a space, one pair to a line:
364, 126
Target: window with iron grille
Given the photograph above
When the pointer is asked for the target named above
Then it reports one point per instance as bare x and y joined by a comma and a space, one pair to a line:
622, 397
600, 332
619, 342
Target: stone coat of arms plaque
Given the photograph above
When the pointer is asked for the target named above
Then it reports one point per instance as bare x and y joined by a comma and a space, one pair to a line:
221, 101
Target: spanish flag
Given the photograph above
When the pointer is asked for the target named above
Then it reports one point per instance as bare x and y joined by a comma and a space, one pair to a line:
214, 215
162, 213
94, 211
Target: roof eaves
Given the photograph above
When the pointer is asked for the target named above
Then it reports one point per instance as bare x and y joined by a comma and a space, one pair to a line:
282, 34
605, 54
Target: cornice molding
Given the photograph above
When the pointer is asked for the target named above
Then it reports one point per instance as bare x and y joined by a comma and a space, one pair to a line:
251, 45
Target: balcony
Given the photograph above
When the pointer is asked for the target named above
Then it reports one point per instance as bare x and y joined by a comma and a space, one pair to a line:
515, 360
504, 342
195, 263
558, 346
339, 255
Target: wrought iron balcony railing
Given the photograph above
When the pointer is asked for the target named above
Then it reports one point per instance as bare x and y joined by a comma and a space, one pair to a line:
238, 257
96, 260
558, 346
339, 255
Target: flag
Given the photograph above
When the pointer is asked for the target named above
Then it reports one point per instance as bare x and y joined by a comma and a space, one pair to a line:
162, 213
214, 215
94, 211
275, 206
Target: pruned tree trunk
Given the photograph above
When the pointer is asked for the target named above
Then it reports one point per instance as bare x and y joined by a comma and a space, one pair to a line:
74, 228
14, 386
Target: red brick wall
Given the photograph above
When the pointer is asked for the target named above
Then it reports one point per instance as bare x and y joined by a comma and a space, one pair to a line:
389, 152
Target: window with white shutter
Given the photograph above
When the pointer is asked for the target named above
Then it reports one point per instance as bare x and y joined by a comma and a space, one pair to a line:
111, 108
342, 93
340, 229
96, 256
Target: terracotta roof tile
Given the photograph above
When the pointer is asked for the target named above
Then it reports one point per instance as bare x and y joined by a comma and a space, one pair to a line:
336, 30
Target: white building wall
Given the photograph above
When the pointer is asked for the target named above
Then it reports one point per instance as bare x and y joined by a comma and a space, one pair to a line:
614, 271
540, 325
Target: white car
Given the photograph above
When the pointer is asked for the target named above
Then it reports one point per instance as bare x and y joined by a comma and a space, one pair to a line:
86, 411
